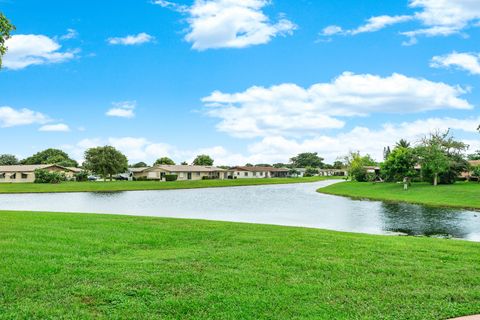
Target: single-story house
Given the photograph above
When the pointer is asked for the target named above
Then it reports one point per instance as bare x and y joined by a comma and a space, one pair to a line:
26, 173
259, 172
183, 172
473, 163
333, 172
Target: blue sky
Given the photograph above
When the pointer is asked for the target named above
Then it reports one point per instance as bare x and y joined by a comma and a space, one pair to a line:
251, 81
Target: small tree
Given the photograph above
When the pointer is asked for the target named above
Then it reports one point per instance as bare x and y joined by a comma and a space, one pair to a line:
164, 160
310, 172
6, 27
184, 163
203, 160
139, 165
105, 161
356, 166
51, 156
400, 164
307, 159
8, 160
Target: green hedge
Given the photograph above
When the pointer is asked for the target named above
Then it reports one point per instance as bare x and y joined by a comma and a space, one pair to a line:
44, 176
171, 177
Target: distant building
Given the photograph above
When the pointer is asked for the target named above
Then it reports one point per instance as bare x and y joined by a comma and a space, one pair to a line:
26, 173
259, 172
183, 172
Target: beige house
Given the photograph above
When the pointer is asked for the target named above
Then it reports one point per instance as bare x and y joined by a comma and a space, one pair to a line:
26, 173
259, 172
183, 172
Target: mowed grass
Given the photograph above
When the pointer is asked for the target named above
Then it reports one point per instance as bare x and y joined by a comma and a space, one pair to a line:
106, 186
81, 266
461, 194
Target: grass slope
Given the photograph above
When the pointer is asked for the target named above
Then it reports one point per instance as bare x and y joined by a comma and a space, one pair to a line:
79, 266
143, 185
461, 195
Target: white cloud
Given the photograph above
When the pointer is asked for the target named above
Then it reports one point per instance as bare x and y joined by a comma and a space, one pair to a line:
29, 49
60, 127
229, 23
437, 18
466, 61
332, 30
380, 22
293, 110
131, 40
10, 117
71, 34
124, 109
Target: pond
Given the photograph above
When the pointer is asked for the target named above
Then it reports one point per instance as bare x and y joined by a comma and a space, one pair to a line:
288, 205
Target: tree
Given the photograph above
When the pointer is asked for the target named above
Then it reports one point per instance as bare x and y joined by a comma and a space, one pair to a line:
400, 164
356, 166
338, 165
203, 160
386, 152
164, 160
51, 156
263, 165
6, 27
249, 165
282, 165
474, 156
441, 157
310, 172
139, 165
307, 159
184, 163
402, 143
105, 161
8, 160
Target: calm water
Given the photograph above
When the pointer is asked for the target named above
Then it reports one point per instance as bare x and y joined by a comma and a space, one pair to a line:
290, 205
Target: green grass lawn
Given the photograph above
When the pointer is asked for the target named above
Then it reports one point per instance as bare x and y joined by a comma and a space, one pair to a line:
75, 266
461, 194
143, 185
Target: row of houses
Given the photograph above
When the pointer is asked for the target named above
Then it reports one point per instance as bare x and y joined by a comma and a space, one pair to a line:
26, 173
190, 172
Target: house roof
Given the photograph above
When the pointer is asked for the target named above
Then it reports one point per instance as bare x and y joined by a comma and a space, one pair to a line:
75, 169
187, 168
136, 170
474, 163
31, 167
260, 169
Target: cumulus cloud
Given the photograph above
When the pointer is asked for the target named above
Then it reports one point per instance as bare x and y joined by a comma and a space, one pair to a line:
291, 109
131, 40
277, 148
436, 17
60, 127
124, 109
229, 23
10, 117
29, 49
466, 61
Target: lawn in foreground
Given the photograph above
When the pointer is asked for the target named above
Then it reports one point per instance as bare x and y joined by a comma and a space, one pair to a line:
460, 194
144, 185
56, 265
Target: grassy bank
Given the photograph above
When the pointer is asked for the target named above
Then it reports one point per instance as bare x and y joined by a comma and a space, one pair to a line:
78, 266
143, 185
461, 195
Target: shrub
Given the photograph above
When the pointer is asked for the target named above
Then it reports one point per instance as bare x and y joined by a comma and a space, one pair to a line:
44, 176
208, 178
359, 174
81, 176
171, 177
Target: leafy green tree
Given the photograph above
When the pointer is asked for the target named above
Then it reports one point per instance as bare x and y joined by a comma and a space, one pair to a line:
338, 165
307, 159
164, 160
441, 157
184, 163
139, 165
474, 156
357, 164
203, 160
263, 165
8, 160
400, 164
6, 27
386, 152
51, 156
249, 165
293, 173
105, 161
311, 171
282, 165
476, 173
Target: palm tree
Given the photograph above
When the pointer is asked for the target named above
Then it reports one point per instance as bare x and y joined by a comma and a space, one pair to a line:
402, 144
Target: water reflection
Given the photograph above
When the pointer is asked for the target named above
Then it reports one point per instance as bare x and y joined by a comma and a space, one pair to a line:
290, 205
